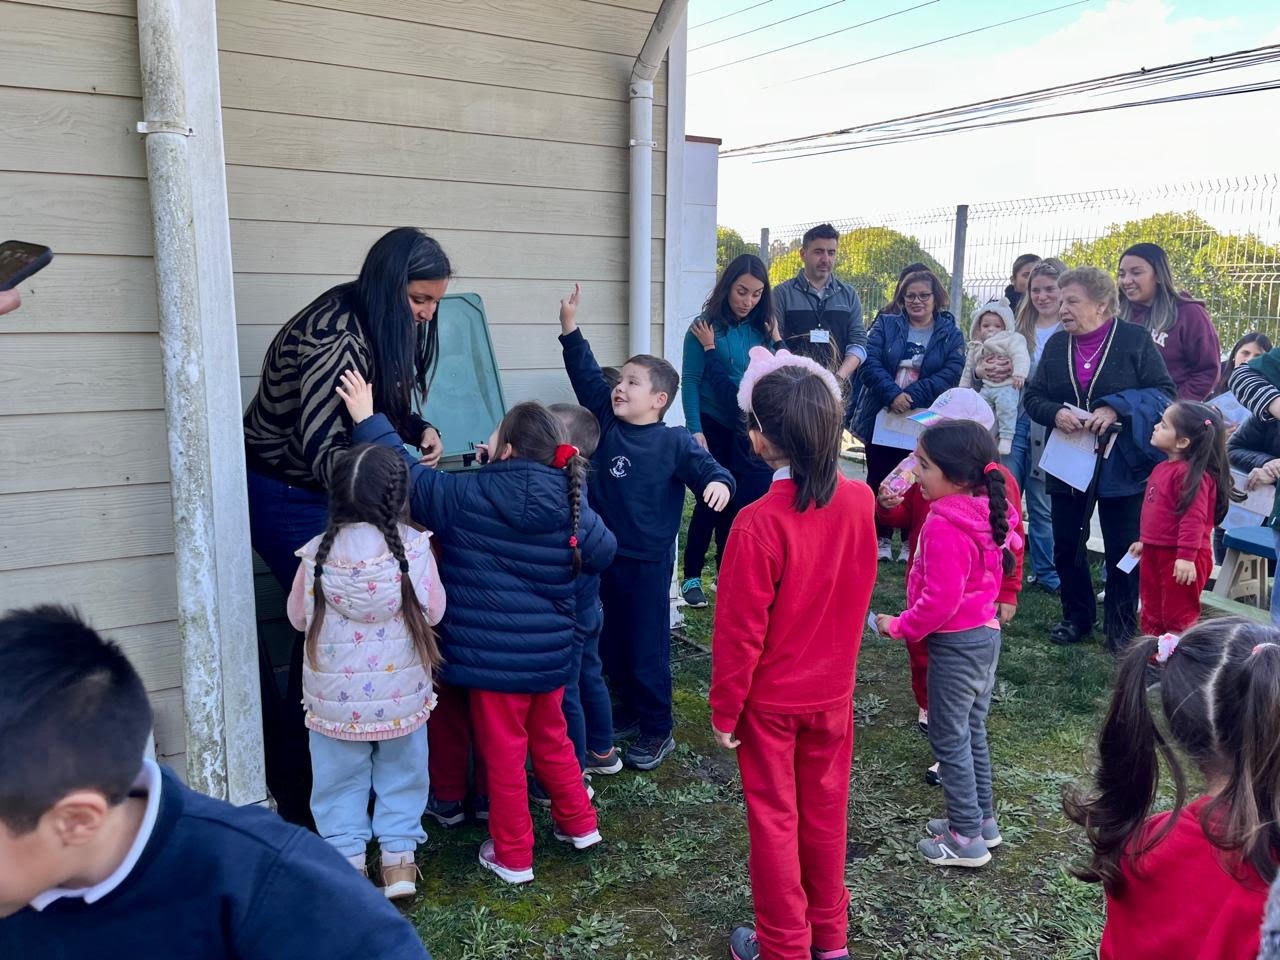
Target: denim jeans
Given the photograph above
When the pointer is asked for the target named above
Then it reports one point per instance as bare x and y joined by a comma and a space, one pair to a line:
1038, 516
962, 675
281, 519
588, 711
342, 771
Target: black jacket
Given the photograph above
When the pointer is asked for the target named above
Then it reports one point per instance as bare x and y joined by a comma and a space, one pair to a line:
1255, 444
1130, 362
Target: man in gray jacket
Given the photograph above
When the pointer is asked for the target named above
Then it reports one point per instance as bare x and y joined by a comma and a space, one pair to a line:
819, 316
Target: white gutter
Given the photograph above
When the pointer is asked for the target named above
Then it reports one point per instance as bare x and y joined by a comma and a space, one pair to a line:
639, 310
186, 406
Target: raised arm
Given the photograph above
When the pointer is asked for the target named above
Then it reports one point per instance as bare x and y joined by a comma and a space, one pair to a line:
588, 382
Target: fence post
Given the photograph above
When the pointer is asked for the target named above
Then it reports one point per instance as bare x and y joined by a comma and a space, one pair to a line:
957, 259
764, 245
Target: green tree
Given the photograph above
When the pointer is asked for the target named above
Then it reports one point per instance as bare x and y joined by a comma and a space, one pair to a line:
729, 244
1236, 275
868, 259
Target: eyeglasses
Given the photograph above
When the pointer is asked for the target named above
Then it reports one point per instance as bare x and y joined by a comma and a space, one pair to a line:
918, 297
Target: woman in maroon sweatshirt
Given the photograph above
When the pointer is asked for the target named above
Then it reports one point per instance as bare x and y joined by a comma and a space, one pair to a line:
795, 589
1179, 324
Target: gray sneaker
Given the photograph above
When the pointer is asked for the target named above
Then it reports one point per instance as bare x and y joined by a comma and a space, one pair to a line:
990, 831
944, 850
647, 752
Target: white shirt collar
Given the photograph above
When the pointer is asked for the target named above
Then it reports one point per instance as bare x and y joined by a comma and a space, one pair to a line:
149, 780
782, 473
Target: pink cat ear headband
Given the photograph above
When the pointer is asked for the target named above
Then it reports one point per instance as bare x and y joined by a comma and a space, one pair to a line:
764, 363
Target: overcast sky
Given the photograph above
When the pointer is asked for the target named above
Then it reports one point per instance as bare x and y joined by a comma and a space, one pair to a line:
758, 101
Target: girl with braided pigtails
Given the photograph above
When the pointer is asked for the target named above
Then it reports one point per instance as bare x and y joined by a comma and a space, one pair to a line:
367, 594
1189, 883
513, 537
966, 548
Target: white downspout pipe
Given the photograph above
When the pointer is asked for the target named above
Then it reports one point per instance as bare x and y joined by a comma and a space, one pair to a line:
640, 277
186, 406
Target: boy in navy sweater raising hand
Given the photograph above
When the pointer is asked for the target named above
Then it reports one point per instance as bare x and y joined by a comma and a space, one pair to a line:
640, 470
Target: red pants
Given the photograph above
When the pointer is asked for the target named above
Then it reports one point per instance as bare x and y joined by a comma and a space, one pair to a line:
795, 777
449, 746
1168, 606
509, 727
918, 657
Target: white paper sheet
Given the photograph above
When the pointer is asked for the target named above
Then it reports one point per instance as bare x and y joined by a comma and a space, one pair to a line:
896, 430
1232, 412
1127, 563
1254, 511
1071, 457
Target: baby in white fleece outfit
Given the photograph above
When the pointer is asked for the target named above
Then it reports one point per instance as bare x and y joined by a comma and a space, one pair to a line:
993, 335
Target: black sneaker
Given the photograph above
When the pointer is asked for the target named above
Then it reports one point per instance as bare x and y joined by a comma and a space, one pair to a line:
647, 752
538, 793
448, 813
1067, 633
691, 590
743, 945
480, 807
932, 777
625, 729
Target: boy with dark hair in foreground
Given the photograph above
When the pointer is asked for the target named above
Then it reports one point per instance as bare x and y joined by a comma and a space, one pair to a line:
104, 854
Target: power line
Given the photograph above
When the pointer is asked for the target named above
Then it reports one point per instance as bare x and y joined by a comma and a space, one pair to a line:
930, 43
834, 3
823, 36
1145, 76
706, 23
1175, 98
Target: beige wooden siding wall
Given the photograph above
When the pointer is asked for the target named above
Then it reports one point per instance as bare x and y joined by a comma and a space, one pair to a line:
84, 478
500, 126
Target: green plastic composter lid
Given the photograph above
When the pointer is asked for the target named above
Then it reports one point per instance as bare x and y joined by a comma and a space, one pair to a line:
465, 402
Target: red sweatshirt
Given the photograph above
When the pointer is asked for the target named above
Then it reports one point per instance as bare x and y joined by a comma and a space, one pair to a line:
1162, 526
911, 513
801, 587
1182, 902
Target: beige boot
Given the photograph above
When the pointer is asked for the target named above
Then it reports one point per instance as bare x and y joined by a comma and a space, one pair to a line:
399, 875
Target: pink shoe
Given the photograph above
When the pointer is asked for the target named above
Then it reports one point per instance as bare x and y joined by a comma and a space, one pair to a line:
489, 860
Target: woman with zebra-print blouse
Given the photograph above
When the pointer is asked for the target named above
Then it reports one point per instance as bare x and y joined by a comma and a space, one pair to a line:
383, 325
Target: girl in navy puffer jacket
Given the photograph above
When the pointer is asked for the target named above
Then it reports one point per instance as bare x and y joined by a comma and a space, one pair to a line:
512, 538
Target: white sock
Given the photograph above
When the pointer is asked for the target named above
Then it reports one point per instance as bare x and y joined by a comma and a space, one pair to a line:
397, 859
357, 861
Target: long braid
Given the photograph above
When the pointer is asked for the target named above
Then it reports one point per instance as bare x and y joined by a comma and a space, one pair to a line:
317, 614
424, 638
998, 501
576, 469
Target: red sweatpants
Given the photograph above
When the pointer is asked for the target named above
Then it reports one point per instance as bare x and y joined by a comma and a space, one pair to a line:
449, 746
918, 657
795, 777
509, 727
1168, 606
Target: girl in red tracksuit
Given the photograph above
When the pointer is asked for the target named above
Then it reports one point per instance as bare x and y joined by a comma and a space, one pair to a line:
784, 654
908, 511
1187, 496
1189, 883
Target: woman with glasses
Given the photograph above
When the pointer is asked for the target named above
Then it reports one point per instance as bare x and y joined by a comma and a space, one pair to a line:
915, 351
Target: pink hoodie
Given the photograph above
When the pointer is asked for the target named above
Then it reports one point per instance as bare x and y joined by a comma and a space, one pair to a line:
955, 547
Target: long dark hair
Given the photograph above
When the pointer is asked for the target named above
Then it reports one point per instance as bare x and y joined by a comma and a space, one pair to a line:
962, 449
1229, 364
1220, 697
1206, 454
716, 310
940, 300
370, 484
795, 410
910, 268
404, 351
1163, 312
534, 433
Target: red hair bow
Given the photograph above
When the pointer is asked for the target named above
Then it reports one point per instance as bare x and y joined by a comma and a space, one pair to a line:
564, 453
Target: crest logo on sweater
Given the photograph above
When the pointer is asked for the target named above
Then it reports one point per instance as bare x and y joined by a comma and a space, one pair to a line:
620, 466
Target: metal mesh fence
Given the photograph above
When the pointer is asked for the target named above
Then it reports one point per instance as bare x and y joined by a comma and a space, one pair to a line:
1222, 238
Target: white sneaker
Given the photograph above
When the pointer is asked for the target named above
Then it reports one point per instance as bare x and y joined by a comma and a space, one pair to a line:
904, 551
885, 549
489, 860
582, 842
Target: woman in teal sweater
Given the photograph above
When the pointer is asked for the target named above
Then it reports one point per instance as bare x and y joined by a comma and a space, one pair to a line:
740, 313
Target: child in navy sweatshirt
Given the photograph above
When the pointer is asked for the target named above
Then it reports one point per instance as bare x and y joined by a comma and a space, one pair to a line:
640, 471
104, 854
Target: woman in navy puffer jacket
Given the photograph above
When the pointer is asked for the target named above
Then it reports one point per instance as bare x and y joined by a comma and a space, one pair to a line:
512, 537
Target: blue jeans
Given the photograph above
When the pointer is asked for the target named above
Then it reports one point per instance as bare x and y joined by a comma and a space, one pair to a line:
636, 640
342, 771
588, 712
281, 519
962, 676
1038, 516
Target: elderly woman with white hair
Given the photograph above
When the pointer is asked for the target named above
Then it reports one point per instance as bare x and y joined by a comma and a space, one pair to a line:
1111, 370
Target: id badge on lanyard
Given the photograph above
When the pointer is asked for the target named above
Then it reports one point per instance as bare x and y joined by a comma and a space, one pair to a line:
820, 334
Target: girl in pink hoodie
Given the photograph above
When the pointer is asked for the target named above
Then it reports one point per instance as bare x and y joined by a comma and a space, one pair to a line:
963, 554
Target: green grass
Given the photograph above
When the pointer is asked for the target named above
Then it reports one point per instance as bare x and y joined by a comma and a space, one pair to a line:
670, 881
